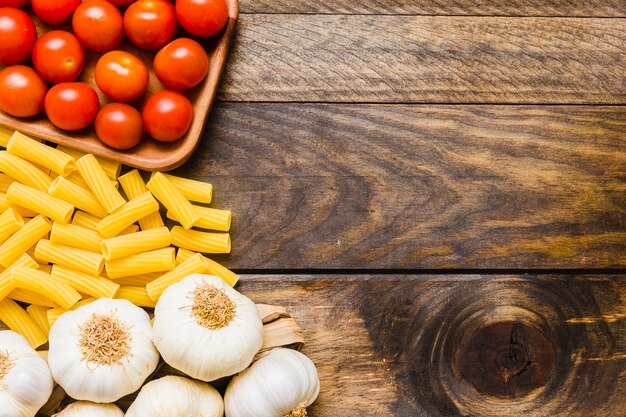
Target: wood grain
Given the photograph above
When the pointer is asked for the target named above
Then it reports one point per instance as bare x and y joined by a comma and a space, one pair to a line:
391, 59
405, 345
406, 186
609, 8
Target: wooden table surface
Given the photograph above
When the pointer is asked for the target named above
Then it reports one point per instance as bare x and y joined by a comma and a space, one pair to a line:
436, 190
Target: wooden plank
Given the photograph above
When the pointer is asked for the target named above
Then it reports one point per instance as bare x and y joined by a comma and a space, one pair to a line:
432, 346
390, 59
609, 8
405, 186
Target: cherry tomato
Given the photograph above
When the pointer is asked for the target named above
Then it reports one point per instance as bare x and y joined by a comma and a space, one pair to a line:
54, 12
14, 3
122, 2
182, 64
167, 115
58, 56
121, 76
98, 25
22, 91
72, 106
202, 17
150, 24
119, 126
17, 36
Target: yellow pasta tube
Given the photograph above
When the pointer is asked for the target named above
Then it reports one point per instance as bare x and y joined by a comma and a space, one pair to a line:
18, 320
173, 200
46, 285
76, 237
133, 186
23, 239
85, 220
126, 245
10, 222
204, 242
40, 154
136, 295
24, 212
198, 191
5, 136
79, 259
99, 183
39, 314
141, 263
33, 199
23, 171
210, 218
128, 214
138, 280
213, 268
6, 285
30, 297
183, 254
85, 283
5, 181
79, 197
194, 265
111, 168
55, 313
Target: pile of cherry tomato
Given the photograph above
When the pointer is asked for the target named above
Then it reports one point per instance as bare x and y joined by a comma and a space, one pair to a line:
58, 58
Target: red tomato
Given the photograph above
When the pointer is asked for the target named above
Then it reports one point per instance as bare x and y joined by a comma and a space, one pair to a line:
167, 115
202, 17
119, 126
98, 25
150, 24
17, 36
122, 2
182, 64
54, 12
14, 3
71, 106
121, 76
22, 91
58, 56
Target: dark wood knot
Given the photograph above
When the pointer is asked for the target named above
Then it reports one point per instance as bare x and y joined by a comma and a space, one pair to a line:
507, 359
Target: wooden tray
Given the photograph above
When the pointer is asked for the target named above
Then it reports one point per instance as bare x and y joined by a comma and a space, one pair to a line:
149, 154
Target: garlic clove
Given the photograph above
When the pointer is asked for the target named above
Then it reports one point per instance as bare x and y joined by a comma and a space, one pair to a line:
175, 396
25, 379
280, 384
102, 351
206, 329
89, 409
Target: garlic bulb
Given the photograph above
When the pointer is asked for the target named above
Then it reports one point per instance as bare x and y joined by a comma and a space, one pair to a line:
281, 384
25, 380
206, 329
102, 351
175, 396
89, 409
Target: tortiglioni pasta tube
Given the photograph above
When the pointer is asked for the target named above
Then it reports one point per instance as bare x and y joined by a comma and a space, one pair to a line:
10, 222
210, 218
33, 199
23, 239
99, 183
173, 200
204, 242
23, 171
85, 283
40, 154
16, 319
133, 186
128, 214
81, 198
76, 237
197, 191
46, 285
141, 263
81, 260
130, 244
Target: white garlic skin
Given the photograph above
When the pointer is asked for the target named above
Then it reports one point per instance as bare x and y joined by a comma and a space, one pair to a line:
175, 396
83, 380
273, 386
28, 384
89, 409
199, 352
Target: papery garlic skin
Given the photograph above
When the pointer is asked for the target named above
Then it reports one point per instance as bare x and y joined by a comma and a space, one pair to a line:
89, 409
25, 379
92, 379
282, 381
175, 396
200, 352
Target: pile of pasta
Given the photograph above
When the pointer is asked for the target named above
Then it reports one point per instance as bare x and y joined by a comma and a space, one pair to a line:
68, 235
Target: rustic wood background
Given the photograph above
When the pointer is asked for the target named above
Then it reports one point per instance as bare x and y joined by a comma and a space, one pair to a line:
436, 190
